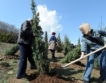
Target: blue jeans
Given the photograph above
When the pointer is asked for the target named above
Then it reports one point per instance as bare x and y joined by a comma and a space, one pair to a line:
101, 56
25, 52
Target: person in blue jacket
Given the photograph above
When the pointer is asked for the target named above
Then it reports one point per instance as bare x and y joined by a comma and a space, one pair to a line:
52, 44
93, 40
25, 41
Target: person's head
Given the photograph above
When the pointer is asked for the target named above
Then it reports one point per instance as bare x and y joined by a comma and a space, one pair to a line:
30, 20
85, 28
53, 33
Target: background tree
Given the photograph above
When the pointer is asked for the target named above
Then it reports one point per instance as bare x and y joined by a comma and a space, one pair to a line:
46, 42
40, 57
67, 45
8, 33
101, 28
12, 50
79, 42
72, 55
59, 47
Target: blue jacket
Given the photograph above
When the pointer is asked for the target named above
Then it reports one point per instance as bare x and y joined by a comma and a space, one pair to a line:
53, 38
94, 42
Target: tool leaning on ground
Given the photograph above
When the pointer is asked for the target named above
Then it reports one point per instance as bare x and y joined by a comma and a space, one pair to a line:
84, 56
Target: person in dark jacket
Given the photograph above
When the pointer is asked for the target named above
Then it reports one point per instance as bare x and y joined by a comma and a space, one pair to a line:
52, 44
91, 41
25, 41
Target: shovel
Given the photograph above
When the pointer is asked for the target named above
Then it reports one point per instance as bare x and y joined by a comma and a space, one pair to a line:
85, 56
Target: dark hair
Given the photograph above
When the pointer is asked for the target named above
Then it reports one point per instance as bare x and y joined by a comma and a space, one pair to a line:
53, 33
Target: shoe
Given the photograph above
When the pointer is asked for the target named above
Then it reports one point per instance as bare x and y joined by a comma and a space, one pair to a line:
86, 81
53, 57
104, 81
33, 67
25, 76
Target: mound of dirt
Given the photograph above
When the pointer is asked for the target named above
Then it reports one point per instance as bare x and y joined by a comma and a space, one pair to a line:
51, 79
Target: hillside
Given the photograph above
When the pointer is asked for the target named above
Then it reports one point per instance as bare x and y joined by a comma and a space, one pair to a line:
4, 47
71, 74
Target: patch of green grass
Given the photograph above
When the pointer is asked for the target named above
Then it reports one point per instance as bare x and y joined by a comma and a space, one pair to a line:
4, 47
5, 68
76, 73
8, 69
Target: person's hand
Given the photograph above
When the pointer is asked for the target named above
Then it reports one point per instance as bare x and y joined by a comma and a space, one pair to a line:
57, 44
105, 45
82, 55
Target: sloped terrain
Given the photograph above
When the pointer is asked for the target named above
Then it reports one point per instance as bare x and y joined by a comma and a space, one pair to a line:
71, 74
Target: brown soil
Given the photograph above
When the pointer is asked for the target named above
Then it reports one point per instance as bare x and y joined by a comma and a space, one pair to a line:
59, 74
54, 77
50, 79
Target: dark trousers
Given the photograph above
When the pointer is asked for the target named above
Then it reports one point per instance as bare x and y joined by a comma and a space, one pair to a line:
25, 53
53, 53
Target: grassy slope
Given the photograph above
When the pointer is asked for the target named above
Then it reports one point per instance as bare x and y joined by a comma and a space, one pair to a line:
4, 47
75, 71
